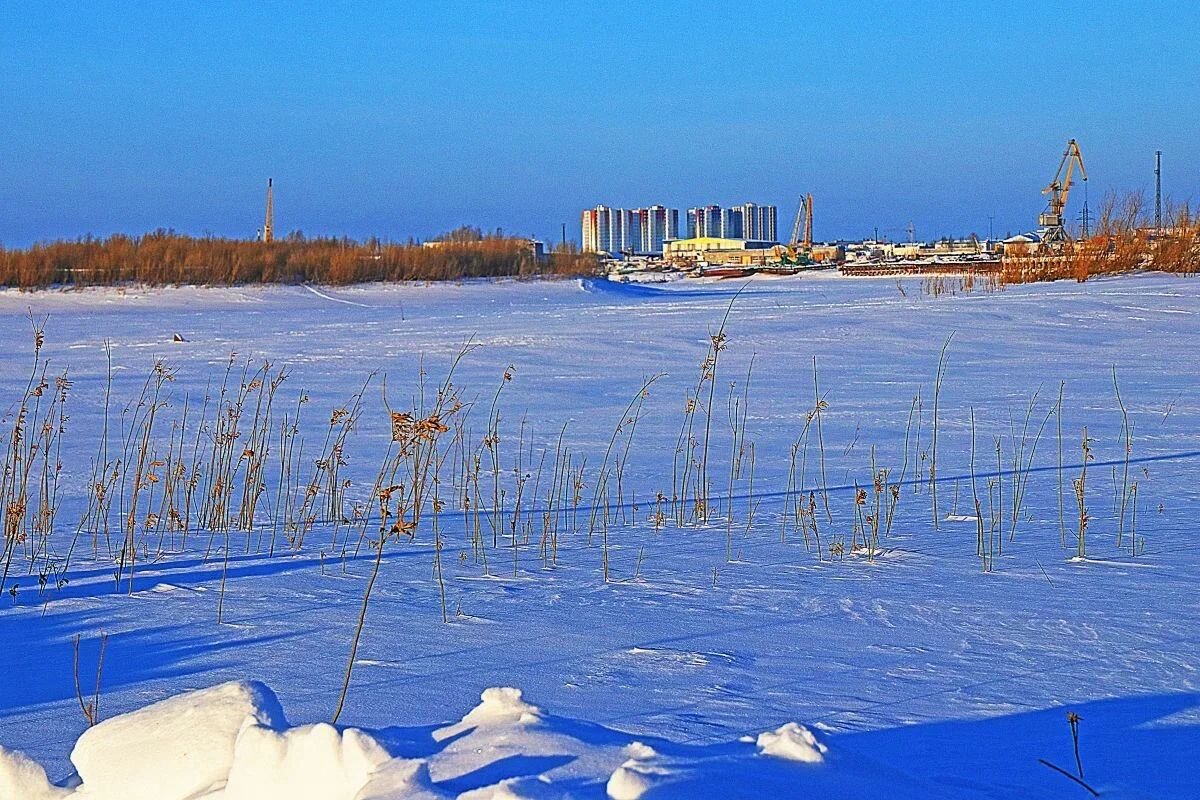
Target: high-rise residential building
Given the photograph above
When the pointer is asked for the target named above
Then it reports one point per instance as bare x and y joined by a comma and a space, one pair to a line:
758, 222
748, 221
641, 230
731, 223
656, 224
587, 227
631, 231
605, 230
770, 227
595, 225
654, 228
616, 231
704, 221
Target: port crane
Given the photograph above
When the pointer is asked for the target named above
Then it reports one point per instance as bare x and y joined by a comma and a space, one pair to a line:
1051, 220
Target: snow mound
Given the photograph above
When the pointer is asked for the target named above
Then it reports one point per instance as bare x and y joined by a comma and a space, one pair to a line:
793, 742
401, 779
231, 742
179, 747
312, 761
500, 705
636, 776
21, 777
525, 788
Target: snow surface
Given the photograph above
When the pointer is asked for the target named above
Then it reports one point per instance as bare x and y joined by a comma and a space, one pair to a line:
920, 674
182, 749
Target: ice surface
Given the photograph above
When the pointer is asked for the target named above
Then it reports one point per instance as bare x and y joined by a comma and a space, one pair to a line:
922, 674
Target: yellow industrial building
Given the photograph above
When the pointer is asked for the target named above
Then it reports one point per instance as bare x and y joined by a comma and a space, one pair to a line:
716, 250
743, 252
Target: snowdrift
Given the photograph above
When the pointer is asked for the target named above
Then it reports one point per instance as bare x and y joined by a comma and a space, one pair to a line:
232, 742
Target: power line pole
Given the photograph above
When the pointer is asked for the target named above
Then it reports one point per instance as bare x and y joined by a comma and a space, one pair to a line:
1085, 217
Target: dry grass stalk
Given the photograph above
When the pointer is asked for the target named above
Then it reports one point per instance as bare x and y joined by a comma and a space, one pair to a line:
1127, 447
1058, 415
413, 452
937, 391
819, 407
600, 498
1023, 454
90, 708
980, 541
1080, 485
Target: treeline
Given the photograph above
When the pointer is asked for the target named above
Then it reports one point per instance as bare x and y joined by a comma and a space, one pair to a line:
168, 258
1125, 240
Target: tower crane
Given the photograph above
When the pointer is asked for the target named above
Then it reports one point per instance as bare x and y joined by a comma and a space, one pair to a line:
1051, 219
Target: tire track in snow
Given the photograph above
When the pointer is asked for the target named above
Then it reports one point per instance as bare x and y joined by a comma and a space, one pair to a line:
333, 299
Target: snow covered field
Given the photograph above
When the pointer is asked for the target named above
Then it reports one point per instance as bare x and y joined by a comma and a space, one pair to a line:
914, 672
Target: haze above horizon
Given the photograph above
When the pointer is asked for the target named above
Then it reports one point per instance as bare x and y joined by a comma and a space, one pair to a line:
405, 120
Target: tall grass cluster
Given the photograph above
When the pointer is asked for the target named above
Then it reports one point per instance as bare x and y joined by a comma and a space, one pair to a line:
168, 258
1124, 241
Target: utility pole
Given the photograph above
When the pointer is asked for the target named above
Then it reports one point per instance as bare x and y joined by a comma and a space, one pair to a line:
1087, 215
1158, 190
563, 241
1085, 218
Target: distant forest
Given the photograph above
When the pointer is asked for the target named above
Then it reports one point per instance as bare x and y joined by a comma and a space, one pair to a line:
165, 258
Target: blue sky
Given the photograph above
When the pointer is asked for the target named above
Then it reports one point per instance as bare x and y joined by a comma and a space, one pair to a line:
405, 119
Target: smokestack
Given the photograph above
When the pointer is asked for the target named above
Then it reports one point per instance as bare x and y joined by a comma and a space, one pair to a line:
1158, 189
268, 232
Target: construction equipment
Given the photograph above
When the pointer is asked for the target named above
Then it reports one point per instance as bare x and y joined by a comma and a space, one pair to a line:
798, 251
793, 256
804, 216
808, 215
1051, 220
268, 231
